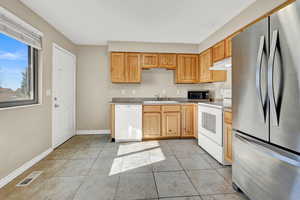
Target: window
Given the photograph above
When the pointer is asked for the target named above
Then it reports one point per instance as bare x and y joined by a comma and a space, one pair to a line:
18, 73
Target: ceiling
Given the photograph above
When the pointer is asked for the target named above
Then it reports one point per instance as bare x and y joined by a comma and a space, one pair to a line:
95, 22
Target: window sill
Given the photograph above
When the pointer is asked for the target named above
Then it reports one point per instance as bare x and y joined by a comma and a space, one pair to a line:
20, 107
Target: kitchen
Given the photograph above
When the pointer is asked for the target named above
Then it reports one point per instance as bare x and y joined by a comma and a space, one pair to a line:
191, 105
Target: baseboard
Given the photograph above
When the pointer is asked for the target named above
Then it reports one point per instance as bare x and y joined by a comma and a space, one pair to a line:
23, 168
92, 132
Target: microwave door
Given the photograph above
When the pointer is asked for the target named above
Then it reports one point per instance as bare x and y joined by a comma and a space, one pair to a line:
249, 81
284, 77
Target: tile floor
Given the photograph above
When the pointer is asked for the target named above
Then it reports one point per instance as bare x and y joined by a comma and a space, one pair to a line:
91, 167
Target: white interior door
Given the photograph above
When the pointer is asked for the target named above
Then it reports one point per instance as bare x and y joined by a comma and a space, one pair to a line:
63, 115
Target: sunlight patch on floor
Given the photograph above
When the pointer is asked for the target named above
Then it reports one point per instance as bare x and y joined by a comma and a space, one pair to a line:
128, 148
135, 156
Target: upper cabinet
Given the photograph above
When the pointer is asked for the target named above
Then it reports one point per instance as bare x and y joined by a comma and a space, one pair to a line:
187, 68
206, 62
149, 60
133, 67
218, 51
167, 60
206, 75
117, 69
162, 60
125, 67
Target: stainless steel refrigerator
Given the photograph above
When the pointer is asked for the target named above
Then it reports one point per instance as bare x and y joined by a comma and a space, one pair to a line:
266, 107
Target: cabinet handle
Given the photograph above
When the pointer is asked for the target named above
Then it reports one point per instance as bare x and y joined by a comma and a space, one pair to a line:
170, 130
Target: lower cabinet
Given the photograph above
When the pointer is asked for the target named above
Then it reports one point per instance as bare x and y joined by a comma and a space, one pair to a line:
228, 136
188, 121
171, 124
169, 121
152, 124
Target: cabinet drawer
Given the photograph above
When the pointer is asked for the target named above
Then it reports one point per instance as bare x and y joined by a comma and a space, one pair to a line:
171, 108
228, 117
152, 108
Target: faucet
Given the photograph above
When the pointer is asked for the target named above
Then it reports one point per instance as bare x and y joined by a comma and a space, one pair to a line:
157, 96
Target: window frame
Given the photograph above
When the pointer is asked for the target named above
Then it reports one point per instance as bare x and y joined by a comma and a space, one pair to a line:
33, 55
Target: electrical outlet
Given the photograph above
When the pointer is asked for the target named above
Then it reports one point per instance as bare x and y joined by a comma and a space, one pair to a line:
133, 91
48, 92
123, 92
178, 92
164, 92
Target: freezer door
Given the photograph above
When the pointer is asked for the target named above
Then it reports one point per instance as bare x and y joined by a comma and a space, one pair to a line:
249, 68
264, 172
284, 77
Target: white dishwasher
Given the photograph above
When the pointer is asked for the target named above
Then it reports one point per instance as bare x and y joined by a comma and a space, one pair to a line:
128, 123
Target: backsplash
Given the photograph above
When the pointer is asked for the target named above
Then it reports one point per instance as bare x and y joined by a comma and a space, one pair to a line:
161, 81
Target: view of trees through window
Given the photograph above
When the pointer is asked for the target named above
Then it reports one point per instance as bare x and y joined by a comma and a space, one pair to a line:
15, 71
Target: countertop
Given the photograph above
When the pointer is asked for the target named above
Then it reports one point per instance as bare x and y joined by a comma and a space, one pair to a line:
142, 100
216, 103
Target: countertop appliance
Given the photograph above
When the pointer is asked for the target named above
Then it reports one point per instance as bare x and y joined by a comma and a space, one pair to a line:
128, 123
202, 95
210, 130
266, 107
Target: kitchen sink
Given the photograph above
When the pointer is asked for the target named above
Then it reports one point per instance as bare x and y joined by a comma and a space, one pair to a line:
160, 102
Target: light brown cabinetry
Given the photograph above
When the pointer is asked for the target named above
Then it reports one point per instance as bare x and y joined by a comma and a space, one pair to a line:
152, 125
187, 69
228, 136
125, 67
151, 122
218, 51
206, 75
167, 60
171, 124
161, 121
149, 60
188, 120
205, 63
132, 67
117, 69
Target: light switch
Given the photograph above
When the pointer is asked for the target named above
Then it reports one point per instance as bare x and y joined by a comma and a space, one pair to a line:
133, 91
178, 91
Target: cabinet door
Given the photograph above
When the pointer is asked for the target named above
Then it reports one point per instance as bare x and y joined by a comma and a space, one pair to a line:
152, 125
168, 61
228, 142
171, 124
133, 68
188, 120
149, 60
205, 63
228, 47
219, 51
187, 69
117, 69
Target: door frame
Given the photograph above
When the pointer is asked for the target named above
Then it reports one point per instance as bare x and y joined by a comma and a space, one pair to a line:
56, 46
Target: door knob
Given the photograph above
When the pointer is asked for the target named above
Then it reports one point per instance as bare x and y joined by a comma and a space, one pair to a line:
56, 105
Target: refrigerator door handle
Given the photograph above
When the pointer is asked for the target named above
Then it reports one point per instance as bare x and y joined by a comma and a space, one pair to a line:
261, 51
274, 105
282, 156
